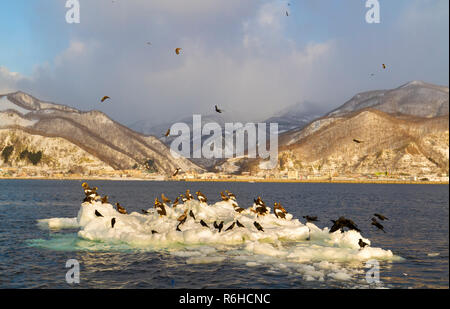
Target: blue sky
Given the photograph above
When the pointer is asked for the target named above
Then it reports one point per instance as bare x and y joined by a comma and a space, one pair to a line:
246, 56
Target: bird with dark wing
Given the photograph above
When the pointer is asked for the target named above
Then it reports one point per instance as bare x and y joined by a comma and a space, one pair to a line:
177, 50
167, 133
105, 98
191, 213
361, 243
188, 195
161, 210
224, 197
98, 214
157, 203
104, 199
121, 210
279, 211
160, 207
164, 198
238, 209
176, 172
230, 195
218, 109
175, 203
357, 141
201, 197
377, 225
183, 217
203, 223
341, 223
230, 227
310, 219
258, 226
218, 226
260, 207
381, 217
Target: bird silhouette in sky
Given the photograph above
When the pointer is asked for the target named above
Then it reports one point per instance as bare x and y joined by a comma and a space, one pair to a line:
105, 98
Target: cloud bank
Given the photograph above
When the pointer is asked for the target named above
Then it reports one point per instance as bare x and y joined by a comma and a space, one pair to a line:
248, 57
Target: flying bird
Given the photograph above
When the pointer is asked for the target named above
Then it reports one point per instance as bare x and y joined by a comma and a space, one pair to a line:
176, 172
287, 14
310, 219
218, 109
381, 217
105, 98
167, 133
239, 224
384, 66
378, 225
357, 141
177, 50
343, 222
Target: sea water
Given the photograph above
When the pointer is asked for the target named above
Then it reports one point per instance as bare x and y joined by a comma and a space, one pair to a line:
412, 253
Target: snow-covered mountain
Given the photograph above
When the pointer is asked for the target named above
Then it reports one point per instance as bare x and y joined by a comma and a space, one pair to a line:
28, 124
403, 131
293, 117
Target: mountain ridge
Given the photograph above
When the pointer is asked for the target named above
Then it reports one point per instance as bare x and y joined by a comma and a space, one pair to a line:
93, 131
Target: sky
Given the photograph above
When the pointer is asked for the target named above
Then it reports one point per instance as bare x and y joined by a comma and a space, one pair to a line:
246, 56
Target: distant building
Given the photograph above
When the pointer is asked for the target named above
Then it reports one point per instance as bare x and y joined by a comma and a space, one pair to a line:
292, 175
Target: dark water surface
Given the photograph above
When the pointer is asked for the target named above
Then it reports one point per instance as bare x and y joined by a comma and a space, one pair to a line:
417, 230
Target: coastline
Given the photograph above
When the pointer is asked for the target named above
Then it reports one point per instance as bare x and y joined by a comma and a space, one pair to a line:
247, 180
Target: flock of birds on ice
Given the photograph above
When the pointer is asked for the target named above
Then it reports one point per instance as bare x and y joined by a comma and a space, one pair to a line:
259, 208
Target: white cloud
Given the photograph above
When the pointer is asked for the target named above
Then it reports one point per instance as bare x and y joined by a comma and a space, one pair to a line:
237, 54
8, 80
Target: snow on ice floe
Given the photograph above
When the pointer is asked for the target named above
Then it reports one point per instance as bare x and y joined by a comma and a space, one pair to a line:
286, 244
